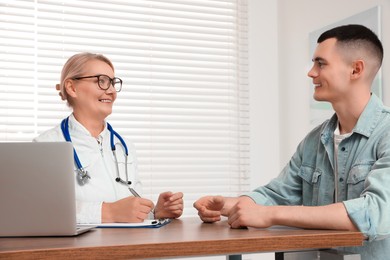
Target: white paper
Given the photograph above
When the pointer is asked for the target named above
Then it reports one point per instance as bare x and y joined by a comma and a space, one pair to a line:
145, 223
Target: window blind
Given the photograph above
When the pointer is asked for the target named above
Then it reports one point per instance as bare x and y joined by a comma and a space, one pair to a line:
184, 101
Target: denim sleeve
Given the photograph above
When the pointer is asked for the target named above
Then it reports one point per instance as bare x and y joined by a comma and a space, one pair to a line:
371, 211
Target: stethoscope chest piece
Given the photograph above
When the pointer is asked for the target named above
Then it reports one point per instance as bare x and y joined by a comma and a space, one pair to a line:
82, 177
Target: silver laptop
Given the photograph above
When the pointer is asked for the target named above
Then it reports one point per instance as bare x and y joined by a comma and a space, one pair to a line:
37, 190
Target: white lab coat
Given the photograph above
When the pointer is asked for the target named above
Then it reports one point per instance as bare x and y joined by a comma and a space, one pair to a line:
99, 161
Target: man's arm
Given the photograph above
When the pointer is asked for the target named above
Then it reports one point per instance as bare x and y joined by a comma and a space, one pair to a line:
247, 213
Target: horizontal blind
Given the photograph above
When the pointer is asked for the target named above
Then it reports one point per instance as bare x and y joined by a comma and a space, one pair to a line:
184, 101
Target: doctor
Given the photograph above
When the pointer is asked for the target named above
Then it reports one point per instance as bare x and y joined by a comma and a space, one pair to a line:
89, 86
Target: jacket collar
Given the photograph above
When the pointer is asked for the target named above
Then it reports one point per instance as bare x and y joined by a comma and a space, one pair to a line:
366, 123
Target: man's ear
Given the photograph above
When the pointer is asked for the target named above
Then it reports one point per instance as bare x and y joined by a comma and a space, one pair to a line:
70, 88
357, 69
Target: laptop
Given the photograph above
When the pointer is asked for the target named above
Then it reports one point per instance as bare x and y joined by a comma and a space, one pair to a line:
37, 190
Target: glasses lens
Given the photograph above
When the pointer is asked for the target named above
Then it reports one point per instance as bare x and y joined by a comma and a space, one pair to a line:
117, 82
104, 82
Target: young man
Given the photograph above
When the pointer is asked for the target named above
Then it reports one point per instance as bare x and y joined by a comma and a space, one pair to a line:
339, 176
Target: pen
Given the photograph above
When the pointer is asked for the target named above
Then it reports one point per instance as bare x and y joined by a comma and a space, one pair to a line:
134, 192
151, 214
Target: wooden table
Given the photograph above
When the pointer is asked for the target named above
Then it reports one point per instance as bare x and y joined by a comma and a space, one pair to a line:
184, 237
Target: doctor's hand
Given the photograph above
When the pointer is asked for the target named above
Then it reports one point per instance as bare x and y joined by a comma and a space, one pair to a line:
210, 208
246, 213
127, 210
169, 205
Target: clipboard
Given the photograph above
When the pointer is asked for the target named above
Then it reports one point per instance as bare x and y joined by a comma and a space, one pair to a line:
147, 223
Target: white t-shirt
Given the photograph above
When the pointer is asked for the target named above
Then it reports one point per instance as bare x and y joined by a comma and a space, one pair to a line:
99, 161
337, 140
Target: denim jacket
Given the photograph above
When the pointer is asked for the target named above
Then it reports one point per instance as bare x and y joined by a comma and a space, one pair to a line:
363, 179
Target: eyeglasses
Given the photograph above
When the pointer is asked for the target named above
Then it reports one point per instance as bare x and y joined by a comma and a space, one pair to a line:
105, 82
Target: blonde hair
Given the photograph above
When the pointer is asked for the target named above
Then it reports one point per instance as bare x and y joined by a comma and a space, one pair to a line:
74, 67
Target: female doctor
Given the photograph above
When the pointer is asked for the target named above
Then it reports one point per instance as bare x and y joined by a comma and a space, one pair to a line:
107, 179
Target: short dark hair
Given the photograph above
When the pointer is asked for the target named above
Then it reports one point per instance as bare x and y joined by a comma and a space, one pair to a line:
356, 34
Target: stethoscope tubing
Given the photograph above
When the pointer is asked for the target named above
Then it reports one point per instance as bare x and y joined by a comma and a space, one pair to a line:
83, 174
65, 132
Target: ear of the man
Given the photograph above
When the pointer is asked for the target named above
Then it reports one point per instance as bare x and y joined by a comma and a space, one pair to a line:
70, 88
357, 69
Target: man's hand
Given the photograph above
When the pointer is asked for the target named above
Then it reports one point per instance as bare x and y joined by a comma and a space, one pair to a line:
210, 208
169, 205
246, 213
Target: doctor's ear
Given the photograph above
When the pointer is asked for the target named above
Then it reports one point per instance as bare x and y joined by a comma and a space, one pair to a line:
70, 88
357, 69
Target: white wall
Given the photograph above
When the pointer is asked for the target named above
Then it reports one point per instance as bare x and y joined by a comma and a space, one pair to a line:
264, 90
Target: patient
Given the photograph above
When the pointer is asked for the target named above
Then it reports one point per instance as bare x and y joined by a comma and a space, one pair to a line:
339, 176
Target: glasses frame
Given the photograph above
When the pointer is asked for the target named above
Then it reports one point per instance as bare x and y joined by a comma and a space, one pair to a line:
113, 81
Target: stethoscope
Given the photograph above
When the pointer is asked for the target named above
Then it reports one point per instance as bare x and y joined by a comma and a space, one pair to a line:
82, 174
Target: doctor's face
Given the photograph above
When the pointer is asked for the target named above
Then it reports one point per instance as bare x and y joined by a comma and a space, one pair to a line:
90, 100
